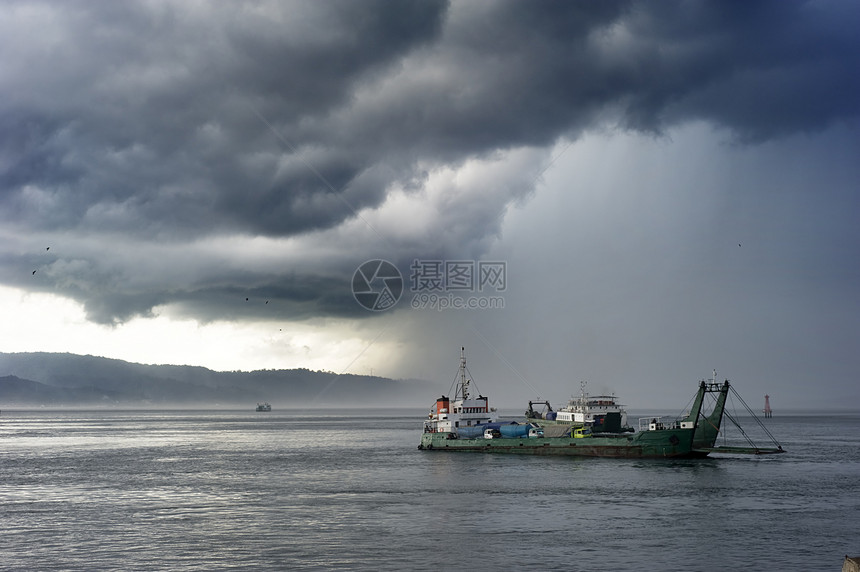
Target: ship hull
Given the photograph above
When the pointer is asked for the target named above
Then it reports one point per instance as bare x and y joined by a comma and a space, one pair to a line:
675, 443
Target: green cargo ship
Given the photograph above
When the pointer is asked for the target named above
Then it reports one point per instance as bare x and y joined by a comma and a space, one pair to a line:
465, 424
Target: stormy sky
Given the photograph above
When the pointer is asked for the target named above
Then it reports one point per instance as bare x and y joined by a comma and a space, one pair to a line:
669, 188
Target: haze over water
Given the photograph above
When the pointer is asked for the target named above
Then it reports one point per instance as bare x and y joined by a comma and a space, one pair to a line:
316, 490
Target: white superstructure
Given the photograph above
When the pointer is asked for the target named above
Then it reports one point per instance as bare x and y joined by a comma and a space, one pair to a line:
461, 410
585, 408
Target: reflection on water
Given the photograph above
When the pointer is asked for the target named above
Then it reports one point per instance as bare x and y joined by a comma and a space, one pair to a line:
298, 490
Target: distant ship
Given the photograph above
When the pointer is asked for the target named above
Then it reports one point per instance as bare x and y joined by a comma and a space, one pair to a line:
264, 407
463, 423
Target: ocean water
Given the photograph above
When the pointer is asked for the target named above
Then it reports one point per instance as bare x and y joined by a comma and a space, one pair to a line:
317, 490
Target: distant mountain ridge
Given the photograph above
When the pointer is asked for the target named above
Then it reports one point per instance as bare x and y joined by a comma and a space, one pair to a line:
58, 379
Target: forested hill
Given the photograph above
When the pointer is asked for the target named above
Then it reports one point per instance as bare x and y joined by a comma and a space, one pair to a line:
61, 379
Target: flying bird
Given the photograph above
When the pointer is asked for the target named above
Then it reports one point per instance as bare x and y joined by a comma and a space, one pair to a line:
34, 272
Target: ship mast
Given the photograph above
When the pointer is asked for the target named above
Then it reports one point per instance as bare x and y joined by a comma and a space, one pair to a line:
463, 388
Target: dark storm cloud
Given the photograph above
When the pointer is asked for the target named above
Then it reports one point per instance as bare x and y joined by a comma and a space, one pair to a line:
761, 69
149, 113
173, 123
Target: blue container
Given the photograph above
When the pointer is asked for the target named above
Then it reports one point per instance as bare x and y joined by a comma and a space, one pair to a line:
513, 431
471, 432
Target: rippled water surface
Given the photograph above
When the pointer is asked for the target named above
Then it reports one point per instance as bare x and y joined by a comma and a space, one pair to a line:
212, 490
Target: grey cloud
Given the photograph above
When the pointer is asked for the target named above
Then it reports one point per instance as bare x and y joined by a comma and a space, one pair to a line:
175, 123
156, 112
761, 69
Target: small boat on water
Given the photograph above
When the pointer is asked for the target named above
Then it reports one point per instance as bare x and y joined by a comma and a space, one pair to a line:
264, 407
466, 424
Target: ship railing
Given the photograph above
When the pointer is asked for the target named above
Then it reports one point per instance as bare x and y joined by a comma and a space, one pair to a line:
658, 423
